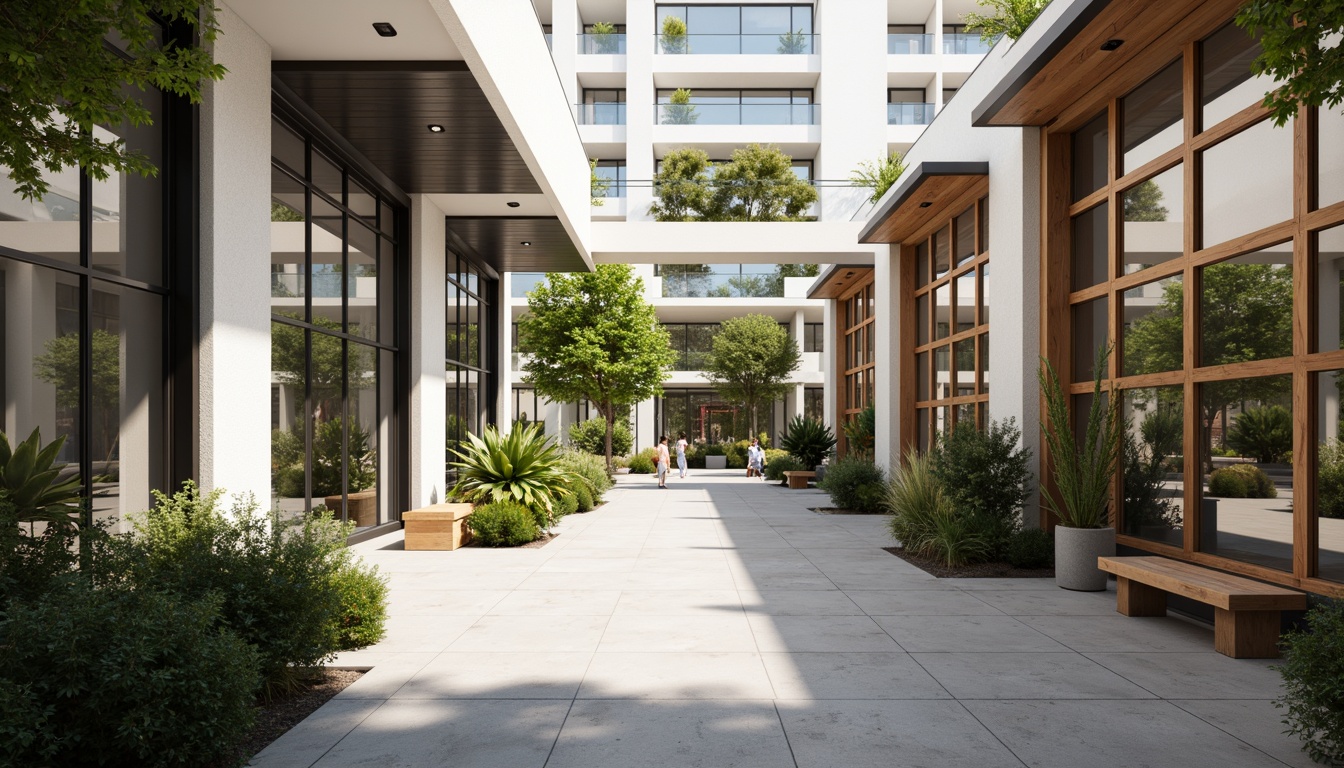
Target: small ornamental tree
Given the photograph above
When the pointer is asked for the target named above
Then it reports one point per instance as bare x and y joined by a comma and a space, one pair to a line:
60, 79
1297, 51
751, 361
682, 186
758, 184
592, 336
1005, 17
878, 175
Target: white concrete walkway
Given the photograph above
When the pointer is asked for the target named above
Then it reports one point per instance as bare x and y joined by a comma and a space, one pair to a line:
721, 623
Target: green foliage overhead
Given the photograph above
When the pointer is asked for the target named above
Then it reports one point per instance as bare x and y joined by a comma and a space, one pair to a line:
808, 440
1292, 38
520, 467
1313, 683
757, 184
39, 489
1004, 17
592, 336
751, 361
879, 175
1264, 433
1082, 470
61, 79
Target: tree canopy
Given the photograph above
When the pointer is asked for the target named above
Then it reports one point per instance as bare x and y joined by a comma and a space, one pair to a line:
750, 362
1005, 17
879, 175
592, 336
1293, 39
62, 77
757, 184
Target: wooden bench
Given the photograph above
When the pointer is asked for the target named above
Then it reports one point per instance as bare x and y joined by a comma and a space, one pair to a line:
1246, 612
438, 526
798, 478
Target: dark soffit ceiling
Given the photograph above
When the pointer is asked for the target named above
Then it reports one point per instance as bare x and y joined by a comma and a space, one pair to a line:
384, 109
499, 242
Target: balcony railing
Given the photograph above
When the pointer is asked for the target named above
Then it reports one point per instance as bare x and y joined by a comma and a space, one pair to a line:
612, 43
795, 43
737, 114
612, 189
599, 114
709, 286
909, 113
319, 286
909, 42
966, 44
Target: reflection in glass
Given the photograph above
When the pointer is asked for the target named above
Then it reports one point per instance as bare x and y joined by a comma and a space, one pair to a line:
1089, 335
922, 320
1330, 156
941, 258
942, 311
922, 375
984, 294
127, 207
288, 428
922, 264
1247, 436
1330, 290
1154, 327
1235, 202
327, 177
1154, 230
984, 363
1089, 157
1329, 476
361, 281
966, 301
942, 373
1154, 441
984, 224
287, 147
922, 426
965, 230
362, 439
1228, 83
1151, 118
1246, 307
1090, 247
964, 358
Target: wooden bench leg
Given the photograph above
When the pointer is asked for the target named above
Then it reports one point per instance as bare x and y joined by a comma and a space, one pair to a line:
1134, 598
797, 483
1246, 634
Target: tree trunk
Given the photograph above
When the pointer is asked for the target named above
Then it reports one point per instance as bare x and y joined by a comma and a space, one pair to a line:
609, 414
752, 406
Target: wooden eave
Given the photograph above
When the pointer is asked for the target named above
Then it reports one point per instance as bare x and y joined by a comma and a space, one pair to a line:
927, 193
838, 280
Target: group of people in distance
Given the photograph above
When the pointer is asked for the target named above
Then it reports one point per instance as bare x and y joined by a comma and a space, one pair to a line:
755, 459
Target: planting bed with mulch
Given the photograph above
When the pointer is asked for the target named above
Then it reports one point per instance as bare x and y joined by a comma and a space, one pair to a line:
277, 717
993, 570
841, 511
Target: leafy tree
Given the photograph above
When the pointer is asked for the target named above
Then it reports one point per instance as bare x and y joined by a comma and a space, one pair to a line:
758, 184
1292, 36
878, 175
1005, 17
791, 270
1144, 203
751, 361
592, 336
61, 79
604, 37
59, 367
679, 109
682, 186
328, 373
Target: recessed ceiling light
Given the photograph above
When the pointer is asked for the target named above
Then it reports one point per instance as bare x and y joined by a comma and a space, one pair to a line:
925, 204
384, 29
527, 242
1112, 44
514, 203
435, 128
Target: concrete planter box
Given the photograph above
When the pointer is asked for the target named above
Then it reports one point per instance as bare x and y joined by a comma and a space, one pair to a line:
1076, 553
361, 507
716, 462
437, 527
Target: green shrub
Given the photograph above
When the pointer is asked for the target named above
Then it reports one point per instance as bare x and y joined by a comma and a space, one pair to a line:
363, 596
1330, 479
1313, 684
286, 448
589, 467
737, 454
591, 437
809, 440
118, 676
1265, 433
1030, 548
644, 462
583, 497
986, 477
289, 483
566, 505
775, 468
855, 484
695, 457
1241, 481
276, 579
327, 453
503, 524
956, 541
522, 466
716, 449
923, 519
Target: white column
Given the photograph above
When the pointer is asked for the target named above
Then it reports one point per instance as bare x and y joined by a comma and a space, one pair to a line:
796, 404
852, 94
887, 296
640, 29
428, 351
235, 346
565, 28
30, 322
503, 382
830, 394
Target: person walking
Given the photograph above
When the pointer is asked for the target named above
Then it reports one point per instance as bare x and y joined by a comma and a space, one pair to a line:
755, 460
681, 454
664, 460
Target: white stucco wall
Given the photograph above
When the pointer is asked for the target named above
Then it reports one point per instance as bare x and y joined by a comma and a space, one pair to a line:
235, 345
428, 387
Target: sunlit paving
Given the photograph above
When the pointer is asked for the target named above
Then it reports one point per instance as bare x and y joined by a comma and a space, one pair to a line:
724, 623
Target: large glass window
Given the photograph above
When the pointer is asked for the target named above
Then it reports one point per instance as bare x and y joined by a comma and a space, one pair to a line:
612, 174
692, 342
725, 280
333, 255
602, 106
469, 368
738, 29
706, 418
760, 106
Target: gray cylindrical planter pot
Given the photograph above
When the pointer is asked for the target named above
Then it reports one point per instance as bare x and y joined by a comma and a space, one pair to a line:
820, 469
1076, 553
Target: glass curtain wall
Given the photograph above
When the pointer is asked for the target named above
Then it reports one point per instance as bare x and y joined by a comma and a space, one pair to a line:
857, 314
334, 256
717, 106
471, 337
1221, 293
85, 276
738, 29
698, 281
706, 418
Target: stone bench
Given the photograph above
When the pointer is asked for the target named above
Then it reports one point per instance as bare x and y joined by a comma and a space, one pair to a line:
798, 478
1246, 612
438, 526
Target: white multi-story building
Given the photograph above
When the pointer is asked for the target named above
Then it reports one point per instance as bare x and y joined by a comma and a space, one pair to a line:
832, 85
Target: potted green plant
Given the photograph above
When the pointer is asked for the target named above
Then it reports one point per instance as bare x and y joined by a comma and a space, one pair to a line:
673, 39
1083, 472
604, 38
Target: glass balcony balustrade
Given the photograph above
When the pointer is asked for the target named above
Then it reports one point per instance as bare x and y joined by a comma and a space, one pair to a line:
610, 44
329, 285
737, 114
796, 43
966, 44
909, 113
900, 43
611, 113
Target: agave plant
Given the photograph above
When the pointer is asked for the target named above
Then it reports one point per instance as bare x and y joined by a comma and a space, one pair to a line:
809, 440
522, 466
33, 481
